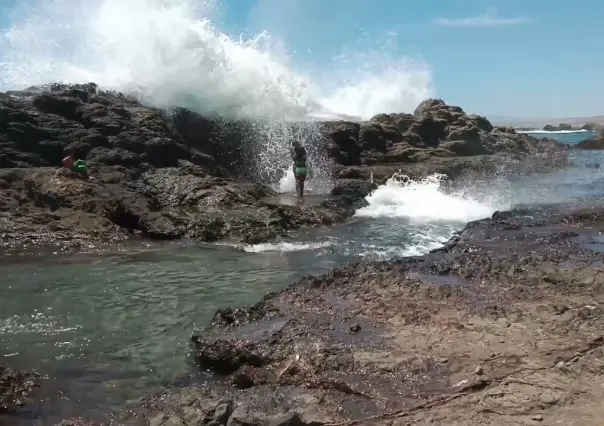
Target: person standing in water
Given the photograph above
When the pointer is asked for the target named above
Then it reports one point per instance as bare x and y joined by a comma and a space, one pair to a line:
298, 153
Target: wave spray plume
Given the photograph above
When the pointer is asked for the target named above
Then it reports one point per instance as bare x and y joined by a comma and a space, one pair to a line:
171, 54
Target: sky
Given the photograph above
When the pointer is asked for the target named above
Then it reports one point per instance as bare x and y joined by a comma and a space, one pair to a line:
512, 58
518, 58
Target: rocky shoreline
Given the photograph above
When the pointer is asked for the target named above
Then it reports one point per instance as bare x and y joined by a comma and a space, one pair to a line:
165, 177
504, 325
161, 176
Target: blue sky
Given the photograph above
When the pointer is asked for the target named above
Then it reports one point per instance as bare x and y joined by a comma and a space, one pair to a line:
519, 58
501, 57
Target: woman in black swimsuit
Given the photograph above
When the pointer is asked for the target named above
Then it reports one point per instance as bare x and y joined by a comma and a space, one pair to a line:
298, 153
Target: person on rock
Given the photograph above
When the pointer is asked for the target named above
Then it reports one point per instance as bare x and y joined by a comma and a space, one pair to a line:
76, 166
301, 170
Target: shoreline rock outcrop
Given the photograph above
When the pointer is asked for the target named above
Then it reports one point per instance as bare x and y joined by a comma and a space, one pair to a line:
15, 388
165, 176
561, 126
594, 143
592, 127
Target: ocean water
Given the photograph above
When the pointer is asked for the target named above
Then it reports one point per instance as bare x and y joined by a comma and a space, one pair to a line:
108, 328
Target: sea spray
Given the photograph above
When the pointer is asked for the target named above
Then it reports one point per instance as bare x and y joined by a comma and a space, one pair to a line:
172, 55
404, 217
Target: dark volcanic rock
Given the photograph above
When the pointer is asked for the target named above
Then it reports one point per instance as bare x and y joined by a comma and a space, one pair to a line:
592, 127
224, 356
166, 176
595, 143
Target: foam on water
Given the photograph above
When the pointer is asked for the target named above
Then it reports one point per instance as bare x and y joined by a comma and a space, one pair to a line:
287, 184
40, 323
424, 201
285, 247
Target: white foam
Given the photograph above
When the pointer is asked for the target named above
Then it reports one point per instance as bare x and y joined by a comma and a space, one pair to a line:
284, 247
424, 201
287, 184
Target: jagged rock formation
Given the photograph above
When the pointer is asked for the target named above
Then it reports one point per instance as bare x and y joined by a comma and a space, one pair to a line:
167, 176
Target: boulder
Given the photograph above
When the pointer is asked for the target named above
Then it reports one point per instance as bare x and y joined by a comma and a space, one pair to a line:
595, 143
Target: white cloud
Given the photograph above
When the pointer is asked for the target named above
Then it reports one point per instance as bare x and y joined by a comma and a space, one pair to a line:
488, 19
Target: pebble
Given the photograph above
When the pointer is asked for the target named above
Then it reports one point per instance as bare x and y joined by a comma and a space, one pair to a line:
479, 370
537, 418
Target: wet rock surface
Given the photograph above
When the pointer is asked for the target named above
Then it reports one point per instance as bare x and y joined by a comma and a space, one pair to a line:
167, 176
16, 387
504, 325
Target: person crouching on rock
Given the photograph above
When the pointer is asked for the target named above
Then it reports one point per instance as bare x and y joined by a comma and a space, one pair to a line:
298, 153
76, 166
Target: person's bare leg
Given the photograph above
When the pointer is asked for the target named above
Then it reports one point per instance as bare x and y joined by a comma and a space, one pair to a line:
297, 187
297, 182
301, 184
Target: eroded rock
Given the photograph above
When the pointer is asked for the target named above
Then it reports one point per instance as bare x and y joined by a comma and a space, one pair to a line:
16, 387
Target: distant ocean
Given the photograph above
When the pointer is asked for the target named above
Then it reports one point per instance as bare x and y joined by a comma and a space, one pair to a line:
564, 136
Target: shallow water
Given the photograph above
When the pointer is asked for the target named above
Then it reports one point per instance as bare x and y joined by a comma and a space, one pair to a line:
110, 328
127, 316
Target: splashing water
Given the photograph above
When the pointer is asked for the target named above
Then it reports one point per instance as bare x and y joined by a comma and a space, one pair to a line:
425, 201
406, 218
367, 84
275, 165
172, 55
284, 247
